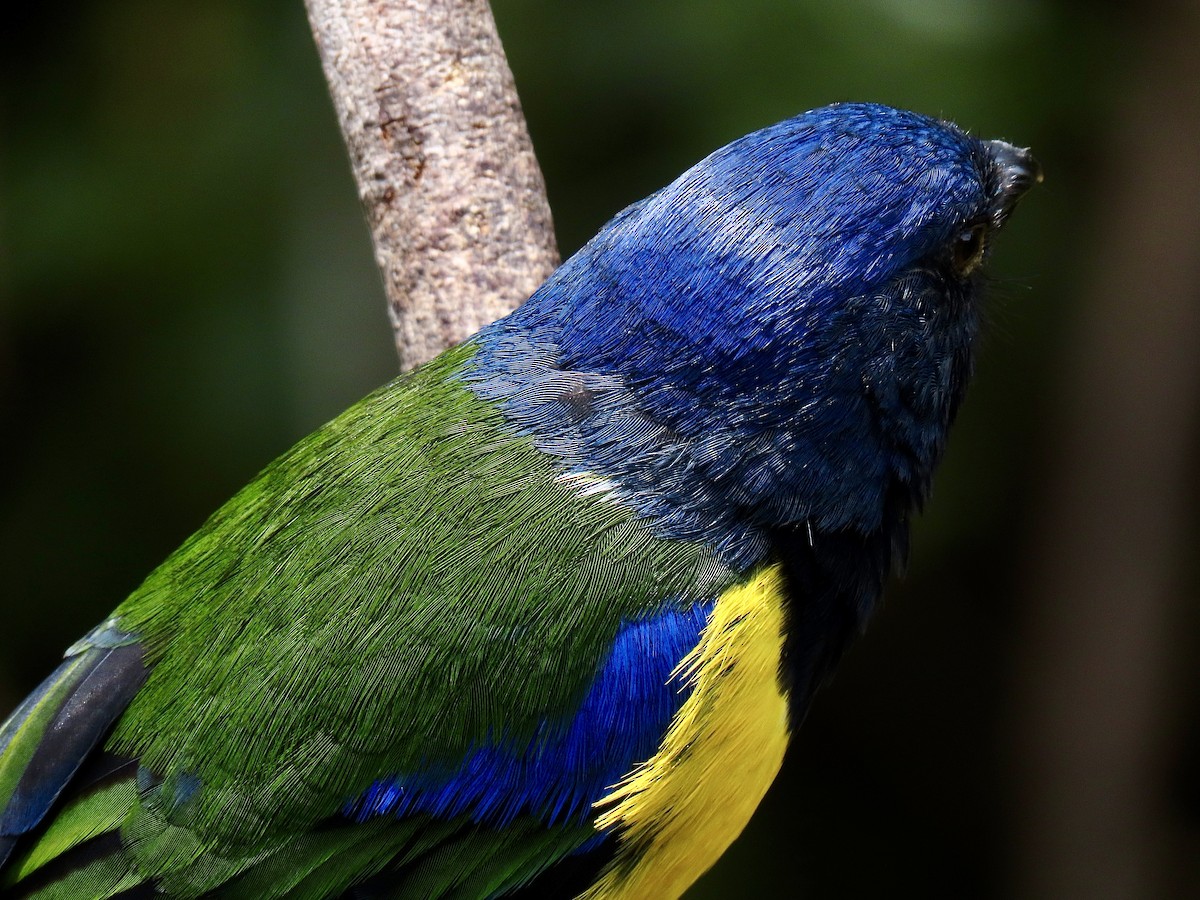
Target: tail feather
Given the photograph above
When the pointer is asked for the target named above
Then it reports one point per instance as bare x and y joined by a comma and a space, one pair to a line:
85, 830
50, 737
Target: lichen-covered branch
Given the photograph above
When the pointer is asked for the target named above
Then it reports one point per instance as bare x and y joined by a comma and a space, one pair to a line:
442, 159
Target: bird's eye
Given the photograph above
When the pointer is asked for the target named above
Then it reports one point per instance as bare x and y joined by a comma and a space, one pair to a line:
968, 248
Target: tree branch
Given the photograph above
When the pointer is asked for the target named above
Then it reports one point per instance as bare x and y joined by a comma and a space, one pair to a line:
443, 162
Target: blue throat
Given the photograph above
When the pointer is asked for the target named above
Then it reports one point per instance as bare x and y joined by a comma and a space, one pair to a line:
812, 383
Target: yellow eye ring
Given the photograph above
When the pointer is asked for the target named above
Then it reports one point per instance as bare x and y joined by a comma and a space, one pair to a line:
969, 247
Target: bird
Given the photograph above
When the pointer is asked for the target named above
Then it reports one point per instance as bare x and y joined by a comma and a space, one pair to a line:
539, 618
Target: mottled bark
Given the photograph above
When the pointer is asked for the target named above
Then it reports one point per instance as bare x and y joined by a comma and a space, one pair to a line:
442, 159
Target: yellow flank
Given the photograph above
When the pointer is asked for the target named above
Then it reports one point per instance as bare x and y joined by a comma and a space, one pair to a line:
679, 811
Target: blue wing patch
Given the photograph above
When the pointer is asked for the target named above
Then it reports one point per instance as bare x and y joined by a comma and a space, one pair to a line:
563, 770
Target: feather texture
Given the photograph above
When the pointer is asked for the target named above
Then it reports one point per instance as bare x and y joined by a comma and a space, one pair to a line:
538, 619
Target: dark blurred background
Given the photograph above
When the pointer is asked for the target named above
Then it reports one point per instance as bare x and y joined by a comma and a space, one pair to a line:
186, 287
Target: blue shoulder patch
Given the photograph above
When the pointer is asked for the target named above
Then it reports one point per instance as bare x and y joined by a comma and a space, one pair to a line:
568, 766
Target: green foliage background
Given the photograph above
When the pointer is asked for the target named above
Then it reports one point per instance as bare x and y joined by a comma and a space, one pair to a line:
186, 288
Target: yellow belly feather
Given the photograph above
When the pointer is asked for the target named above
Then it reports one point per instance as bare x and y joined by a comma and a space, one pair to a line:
679, 811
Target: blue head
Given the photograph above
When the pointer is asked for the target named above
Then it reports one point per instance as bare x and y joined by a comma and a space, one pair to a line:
780, 336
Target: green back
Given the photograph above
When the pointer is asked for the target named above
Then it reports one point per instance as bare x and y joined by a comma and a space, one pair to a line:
381, 595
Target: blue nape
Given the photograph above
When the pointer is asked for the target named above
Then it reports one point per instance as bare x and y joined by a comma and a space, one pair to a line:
566, 767
727, 366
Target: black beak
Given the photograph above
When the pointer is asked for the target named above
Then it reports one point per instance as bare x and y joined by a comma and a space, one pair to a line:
1016, 171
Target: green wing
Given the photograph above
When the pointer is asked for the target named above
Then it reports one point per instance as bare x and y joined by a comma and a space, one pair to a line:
375, 602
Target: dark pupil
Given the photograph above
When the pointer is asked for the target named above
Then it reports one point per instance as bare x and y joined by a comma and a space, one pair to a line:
968, 245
